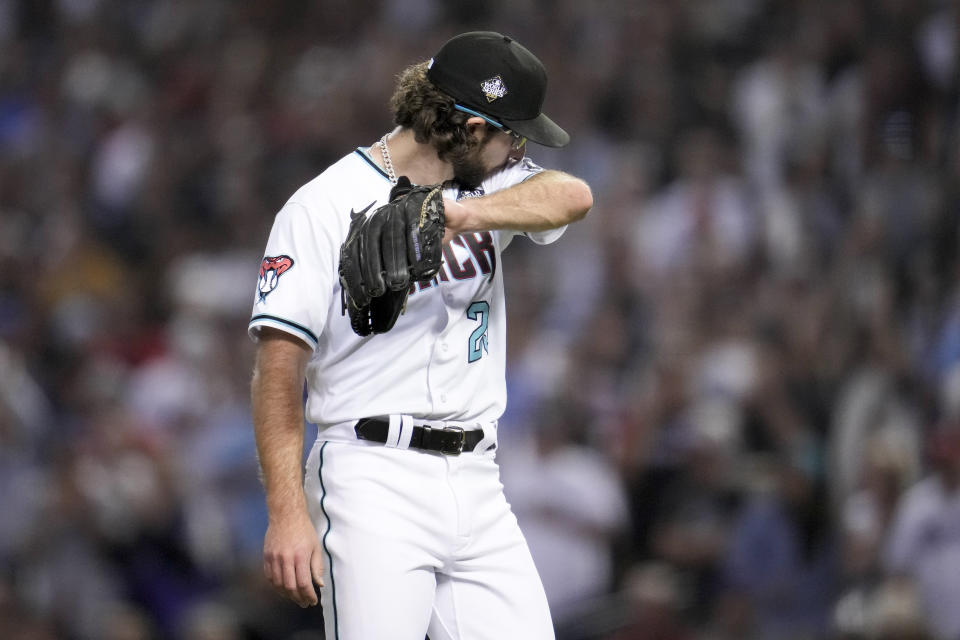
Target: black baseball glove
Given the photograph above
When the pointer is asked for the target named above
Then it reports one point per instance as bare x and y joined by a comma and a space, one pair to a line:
383, 255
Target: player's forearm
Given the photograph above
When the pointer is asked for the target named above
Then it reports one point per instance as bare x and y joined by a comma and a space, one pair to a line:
546, 201
277, 404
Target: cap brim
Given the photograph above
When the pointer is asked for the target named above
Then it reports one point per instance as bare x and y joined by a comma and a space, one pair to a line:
541, 130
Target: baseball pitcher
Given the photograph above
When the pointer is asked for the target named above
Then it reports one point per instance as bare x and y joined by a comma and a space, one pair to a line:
382, 288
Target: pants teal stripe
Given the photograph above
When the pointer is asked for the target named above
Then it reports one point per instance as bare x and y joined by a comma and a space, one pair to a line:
333, 583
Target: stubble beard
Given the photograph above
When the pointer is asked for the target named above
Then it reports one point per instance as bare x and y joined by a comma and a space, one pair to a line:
468, 168
469, 173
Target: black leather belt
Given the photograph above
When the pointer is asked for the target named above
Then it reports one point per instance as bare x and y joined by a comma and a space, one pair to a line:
451, 441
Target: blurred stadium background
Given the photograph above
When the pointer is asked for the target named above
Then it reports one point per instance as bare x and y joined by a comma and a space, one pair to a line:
734, 388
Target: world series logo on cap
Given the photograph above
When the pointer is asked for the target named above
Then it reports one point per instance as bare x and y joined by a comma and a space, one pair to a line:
494, 88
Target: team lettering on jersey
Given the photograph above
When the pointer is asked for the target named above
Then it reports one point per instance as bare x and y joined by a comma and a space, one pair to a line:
481, 260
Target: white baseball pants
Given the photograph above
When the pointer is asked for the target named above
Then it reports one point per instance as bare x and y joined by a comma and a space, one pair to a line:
420, 543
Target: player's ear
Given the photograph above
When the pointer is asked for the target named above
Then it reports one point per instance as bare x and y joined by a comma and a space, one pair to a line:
476, 127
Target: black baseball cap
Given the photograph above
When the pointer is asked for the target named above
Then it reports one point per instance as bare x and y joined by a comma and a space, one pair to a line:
497, 78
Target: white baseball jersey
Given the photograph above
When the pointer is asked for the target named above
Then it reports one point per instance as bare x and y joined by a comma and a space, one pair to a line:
414, 542
445, 357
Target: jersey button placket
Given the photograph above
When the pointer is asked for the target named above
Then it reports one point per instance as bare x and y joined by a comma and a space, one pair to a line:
442, 372
439, 372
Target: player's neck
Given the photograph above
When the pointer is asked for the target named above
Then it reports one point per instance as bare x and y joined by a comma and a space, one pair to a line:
417, 161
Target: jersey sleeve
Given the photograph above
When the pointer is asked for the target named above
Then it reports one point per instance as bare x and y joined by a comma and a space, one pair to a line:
511, 175
295, 284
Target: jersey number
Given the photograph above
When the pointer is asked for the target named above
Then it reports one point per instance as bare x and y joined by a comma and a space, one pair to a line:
479, 310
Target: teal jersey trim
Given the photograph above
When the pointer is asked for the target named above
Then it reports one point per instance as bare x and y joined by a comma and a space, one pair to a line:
289, 323
333, 582
366, 156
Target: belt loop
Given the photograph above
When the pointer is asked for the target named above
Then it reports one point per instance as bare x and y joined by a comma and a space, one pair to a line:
394, 431
406, 432
489, 437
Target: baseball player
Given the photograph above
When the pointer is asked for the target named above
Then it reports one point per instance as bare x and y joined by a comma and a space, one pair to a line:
400, 517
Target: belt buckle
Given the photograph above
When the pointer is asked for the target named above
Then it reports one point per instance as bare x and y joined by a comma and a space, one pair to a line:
459, 444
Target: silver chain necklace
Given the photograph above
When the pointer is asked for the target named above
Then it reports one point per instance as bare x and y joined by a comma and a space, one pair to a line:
387, 162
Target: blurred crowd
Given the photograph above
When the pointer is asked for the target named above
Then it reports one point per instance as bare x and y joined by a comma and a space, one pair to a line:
734, 388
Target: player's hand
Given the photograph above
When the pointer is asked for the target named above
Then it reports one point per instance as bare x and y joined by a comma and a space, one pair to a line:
293, 559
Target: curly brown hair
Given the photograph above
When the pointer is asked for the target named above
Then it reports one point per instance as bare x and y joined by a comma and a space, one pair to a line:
419, 105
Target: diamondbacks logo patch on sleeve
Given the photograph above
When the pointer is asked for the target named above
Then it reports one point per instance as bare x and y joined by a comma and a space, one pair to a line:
270, 271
